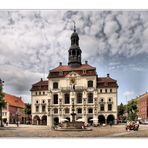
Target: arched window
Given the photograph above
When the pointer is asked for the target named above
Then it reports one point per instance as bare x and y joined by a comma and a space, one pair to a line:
90, 97
67, 98
73, 52
55, 85
55, 99
90, 110
90, 83
55, 110
79, 110
66, 110
79, 97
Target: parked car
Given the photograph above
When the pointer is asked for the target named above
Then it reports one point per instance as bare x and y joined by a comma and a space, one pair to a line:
143, 121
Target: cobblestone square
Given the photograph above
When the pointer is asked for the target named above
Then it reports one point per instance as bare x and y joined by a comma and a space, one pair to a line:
29, 131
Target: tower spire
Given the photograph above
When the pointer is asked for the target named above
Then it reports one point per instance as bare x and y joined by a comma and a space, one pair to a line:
74, 26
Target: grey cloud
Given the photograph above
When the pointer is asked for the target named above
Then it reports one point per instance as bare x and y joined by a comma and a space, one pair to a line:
35, 41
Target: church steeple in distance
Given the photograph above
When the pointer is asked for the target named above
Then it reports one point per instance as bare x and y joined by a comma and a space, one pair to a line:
74, 51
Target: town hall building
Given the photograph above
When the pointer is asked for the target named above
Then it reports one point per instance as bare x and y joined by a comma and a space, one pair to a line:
75, 85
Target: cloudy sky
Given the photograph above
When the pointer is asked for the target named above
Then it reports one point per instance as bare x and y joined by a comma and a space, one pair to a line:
34, 41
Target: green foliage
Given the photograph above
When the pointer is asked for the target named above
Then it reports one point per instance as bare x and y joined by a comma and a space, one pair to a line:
121, 109
2, 102
132, 110
27, 108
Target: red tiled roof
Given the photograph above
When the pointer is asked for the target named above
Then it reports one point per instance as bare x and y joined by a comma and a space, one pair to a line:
68, 68
14, 101
41, 85
106, 82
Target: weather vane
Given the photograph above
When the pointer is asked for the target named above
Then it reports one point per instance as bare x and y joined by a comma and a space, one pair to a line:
74, 26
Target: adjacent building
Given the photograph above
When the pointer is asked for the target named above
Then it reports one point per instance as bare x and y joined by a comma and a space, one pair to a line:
14, 110
74, 85
142, 104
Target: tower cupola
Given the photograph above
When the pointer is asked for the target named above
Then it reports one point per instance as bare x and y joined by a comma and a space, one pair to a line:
74, 51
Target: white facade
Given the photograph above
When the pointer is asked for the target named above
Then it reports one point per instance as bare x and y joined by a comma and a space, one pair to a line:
56, 111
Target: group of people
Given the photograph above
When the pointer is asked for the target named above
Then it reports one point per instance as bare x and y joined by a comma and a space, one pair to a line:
132, 125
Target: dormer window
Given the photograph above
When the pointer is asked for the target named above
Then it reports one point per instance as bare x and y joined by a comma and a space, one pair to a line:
55, 85
90, 83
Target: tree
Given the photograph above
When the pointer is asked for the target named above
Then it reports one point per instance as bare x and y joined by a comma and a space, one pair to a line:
132, 110
121, 111
27, 110
2, 101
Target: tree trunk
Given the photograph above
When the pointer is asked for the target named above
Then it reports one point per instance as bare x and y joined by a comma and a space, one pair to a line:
1, 119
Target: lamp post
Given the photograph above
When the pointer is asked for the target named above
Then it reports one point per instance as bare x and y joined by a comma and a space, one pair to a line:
17, 114
2, 102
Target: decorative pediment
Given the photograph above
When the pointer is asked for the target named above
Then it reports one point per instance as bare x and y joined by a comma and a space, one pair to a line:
72, 75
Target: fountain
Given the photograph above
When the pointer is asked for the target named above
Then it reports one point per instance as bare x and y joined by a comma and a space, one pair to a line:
74, 125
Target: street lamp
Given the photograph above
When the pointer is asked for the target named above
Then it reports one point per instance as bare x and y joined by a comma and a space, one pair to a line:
2, 103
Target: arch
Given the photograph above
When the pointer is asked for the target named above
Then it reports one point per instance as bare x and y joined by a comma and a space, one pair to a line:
89, 120
44, 120
36, 120
73, 52
101, 119
110, 119
56, 120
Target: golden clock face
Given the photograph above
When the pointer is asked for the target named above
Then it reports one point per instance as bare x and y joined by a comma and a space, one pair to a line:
72, 80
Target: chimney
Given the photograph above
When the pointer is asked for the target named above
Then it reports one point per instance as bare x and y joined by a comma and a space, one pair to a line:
60, 64
86, 62
41, 79
108, 75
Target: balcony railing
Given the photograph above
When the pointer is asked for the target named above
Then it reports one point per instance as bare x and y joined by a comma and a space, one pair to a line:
77, 88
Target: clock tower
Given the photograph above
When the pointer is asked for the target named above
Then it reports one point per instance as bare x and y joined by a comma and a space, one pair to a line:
74, 52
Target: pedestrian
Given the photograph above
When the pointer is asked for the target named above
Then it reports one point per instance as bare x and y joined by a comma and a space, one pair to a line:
110, 123
17, 124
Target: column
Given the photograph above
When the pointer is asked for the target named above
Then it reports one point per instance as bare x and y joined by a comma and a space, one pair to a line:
49, 121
